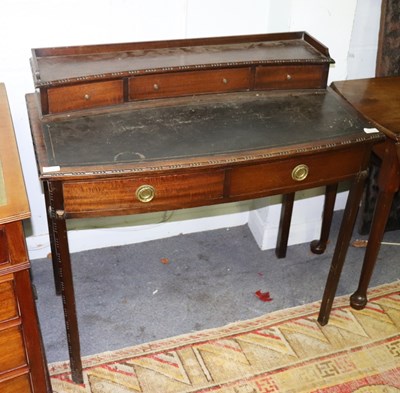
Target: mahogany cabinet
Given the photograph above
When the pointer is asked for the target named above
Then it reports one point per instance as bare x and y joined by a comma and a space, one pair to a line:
23, 366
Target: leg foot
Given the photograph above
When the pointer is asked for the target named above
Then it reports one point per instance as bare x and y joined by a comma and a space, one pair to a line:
323, 320
358, 301
317, 247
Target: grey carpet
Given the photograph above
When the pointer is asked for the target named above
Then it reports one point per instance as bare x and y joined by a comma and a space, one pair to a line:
127, 296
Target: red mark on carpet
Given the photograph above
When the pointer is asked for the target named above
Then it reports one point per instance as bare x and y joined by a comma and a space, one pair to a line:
264, 296
165, 261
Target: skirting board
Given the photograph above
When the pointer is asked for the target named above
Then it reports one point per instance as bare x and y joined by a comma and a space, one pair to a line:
118, 231
305, 225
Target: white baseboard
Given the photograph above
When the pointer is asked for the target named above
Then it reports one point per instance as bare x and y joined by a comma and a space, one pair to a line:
266, 234
263, 224
305, 225
106, 235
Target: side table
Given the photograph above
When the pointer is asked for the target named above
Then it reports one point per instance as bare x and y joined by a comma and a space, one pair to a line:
378, 99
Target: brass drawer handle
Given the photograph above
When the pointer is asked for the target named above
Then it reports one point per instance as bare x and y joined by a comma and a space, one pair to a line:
300, 172
156, 87
224, 81
86, 97
145, 193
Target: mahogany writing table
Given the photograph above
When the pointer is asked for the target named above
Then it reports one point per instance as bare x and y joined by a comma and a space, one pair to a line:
183, 152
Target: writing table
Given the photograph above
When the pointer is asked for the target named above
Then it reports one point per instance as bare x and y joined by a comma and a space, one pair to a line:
183, 152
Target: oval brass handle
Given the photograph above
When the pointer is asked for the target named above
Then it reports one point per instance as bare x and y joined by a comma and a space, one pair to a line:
156, 87
145, 193
300, 172
86, 97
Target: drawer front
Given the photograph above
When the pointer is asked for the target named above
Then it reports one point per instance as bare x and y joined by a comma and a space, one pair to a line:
12, 245
8, 303
19, 384
300, 173
187, 83
291, 77
12, 354
142, 194
85, 96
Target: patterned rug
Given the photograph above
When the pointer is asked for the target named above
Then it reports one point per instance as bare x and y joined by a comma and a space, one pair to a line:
285, 351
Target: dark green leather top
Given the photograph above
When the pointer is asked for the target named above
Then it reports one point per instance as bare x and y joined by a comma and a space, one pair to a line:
202, 126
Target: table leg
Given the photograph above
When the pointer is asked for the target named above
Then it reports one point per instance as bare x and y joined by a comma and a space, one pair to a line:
319, 246
284, 225
59, 230
342, 244
57, 283
358, 299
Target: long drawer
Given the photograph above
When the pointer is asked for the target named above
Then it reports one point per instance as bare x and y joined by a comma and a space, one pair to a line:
305, 172
142, 194
189, 83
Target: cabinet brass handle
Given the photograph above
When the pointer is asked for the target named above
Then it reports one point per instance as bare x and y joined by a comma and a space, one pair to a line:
300, 172
145, 193
86, 97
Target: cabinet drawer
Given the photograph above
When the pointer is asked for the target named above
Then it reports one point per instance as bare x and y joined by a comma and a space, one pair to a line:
12, 354
142, 194
306, 172
19, 384
8, 304
291, 77
12, 245
84, 96
187, 83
